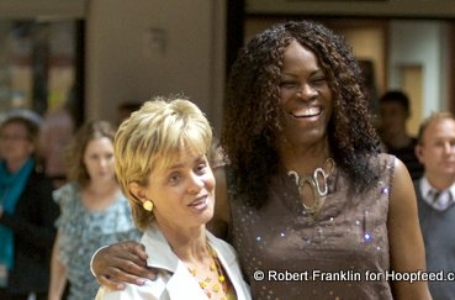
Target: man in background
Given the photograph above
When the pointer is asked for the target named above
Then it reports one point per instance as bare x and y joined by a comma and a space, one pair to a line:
125, 109
435, 194
394, 110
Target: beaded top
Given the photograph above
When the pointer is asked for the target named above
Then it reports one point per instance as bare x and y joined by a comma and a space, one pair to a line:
287, 253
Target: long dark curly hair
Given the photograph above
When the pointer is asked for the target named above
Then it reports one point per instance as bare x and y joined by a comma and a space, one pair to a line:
252, 111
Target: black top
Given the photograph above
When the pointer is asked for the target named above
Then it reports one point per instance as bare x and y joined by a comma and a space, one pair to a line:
34, 232
408, 157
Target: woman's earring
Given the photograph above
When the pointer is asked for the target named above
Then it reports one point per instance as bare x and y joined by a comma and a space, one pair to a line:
148, 205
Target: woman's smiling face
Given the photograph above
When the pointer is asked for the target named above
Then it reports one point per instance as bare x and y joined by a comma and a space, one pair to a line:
305, 94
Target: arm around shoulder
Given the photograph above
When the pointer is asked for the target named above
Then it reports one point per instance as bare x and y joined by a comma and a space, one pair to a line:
120, 263
407, 253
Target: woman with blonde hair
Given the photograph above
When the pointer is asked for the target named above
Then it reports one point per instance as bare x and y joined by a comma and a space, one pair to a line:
161, 162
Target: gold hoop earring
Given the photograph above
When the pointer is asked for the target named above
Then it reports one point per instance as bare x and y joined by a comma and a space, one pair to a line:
148, 205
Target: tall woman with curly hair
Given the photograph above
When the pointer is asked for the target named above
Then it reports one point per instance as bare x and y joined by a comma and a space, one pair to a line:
308, 188
313, 208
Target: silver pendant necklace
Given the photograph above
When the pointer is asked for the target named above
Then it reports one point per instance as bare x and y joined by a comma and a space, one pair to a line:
317, 183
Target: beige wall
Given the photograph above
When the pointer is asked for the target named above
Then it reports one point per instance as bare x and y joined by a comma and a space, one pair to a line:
120, 61
125, 62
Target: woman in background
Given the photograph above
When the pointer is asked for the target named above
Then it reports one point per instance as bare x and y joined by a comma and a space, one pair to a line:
27, 212
93, 211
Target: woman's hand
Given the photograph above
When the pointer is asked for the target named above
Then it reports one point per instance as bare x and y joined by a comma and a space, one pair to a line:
119, 263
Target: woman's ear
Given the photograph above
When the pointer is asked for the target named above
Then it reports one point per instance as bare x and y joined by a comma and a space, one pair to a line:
137, 191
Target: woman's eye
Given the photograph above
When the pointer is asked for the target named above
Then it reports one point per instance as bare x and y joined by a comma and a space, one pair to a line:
320, 80
287, 84
201, 168
93, 157
174, 179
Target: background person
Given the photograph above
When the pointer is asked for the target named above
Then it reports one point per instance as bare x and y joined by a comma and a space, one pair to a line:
125, 109
57, 130
435, 193
395, 112
27, 212
94, 211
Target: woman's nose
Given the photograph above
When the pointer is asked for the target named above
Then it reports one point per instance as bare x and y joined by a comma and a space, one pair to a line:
103, 163
307, 92
196, 184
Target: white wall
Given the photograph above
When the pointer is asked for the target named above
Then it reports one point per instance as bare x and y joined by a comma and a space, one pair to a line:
123, 63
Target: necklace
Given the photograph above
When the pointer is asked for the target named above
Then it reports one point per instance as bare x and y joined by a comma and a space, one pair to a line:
219, 284
317, 183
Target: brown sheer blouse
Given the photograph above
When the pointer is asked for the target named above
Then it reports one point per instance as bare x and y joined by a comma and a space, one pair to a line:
340, 253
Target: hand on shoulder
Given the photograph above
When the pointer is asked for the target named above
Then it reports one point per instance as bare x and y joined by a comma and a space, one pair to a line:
122, 262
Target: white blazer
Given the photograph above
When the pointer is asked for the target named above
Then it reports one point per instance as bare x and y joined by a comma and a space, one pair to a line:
174, 281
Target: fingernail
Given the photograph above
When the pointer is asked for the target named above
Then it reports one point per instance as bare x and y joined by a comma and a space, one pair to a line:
120, 286
140, 281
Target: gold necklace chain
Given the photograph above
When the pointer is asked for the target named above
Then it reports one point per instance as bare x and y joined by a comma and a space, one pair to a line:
220, 285
317, 182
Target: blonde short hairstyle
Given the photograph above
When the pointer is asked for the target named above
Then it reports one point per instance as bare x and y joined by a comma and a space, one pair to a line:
151, 138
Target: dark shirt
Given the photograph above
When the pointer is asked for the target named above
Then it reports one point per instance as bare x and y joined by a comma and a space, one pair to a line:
34, 233
408, 157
